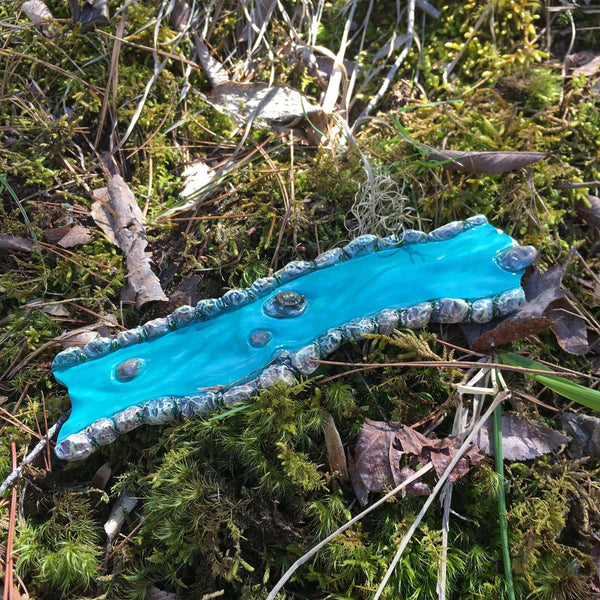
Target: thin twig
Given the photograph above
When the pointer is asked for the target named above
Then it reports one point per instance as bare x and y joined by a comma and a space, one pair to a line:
8, 571
32, 455
443, 365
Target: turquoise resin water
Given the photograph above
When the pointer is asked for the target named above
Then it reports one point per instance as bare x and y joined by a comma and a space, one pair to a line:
216, 352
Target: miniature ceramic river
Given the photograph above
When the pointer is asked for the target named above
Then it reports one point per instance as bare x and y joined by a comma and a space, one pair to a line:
224, 350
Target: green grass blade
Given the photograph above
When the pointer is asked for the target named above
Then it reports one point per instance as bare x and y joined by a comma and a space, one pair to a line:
499, 463
569, 389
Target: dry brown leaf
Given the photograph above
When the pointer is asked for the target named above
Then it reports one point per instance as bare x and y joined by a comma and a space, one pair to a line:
525, 322
82, 335
546, 308
13, 243
588, 65
335, 449
101, 476
273, 106
180, 15
154, 593
590, 213
80, 338
375, 464
54, 309
54, 234
373, 459
521, 439
93, 12
491, 163
39, 14
78, 234
116, 212
439, 451
585, 430
569, 327
100, 212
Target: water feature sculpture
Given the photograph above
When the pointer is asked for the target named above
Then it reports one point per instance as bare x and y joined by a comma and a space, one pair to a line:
223, 351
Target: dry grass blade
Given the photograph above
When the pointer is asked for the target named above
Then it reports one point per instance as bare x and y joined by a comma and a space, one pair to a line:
410, 37
306, 557
112, 79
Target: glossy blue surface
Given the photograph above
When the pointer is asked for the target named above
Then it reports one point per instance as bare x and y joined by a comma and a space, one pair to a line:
217, 352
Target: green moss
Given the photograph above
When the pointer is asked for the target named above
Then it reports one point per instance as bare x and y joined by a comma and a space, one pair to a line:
62, 550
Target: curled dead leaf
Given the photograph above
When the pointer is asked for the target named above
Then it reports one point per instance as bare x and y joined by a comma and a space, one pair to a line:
40, 15
101, 476
590, 211
93, 12
75, 236
476, 163
335, 449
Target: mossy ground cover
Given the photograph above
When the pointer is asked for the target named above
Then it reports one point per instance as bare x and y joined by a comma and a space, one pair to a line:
227, 504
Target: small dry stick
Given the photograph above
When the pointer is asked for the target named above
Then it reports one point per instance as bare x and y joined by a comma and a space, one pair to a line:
31, 456
8, 575
424, 469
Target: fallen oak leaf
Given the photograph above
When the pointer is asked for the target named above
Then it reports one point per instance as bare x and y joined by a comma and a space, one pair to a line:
440, 451
491, 163
372, 462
